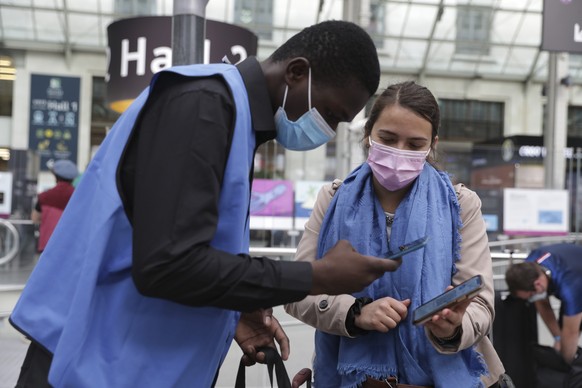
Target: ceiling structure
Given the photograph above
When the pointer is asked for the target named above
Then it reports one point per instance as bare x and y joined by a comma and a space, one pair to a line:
419, 37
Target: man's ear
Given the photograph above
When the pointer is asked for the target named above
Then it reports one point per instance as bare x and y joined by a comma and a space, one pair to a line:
296, 71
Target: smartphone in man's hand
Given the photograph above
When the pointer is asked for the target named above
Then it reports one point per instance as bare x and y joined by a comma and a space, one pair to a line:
408, 247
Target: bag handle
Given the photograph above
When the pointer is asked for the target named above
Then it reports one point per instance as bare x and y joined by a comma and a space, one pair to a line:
272, 359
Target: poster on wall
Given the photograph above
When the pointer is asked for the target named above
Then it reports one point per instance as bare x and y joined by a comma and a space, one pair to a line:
535, 212
54, 117
271, 204
305, 196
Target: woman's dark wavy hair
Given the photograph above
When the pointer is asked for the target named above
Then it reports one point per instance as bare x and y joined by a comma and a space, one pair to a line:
411, 96
338, 51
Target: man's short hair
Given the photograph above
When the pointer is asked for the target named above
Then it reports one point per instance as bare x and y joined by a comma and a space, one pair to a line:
521, 276
338, 51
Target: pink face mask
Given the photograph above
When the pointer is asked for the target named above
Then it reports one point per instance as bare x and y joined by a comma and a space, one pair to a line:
394, 168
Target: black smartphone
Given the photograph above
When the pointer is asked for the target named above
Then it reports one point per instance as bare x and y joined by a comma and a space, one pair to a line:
463, 291
407, 248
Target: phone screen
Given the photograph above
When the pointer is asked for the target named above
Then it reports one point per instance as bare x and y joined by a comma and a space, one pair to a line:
467, 289
408, 247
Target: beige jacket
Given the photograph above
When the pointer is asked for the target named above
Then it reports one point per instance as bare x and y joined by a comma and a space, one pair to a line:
330, 315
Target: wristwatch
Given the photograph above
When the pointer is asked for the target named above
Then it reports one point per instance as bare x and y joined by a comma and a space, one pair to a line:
456, 336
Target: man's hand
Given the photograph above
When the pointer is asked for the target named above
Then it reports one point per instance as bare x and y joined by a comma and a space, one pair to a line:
258, 329
382, 314
445, 323
342, 270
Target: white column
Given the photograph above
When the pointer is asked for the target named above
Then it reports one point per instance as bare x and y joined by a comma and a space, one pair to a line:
555, 135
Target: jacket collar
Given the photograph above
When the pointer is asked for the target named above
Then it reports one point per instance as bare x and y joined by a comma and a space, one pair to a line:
259, 100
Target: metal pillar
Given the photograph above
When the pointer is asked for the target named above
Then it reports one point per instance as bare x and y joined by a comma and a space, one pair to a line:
188, 31
555, 135
352, 11
577, 158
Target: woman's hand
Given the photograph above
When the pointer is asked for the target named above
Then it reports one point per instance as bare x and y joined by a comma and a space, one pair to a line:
382, 314
448, 321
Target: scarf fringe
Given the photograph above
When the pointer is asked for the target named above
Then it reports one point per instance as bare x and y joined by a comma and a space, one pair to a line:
374, 371
478, 367
362, 372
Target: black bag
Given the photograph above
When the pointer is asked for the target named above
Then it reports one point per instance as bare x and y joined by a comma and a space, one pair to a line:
547, 356
514, 330
273, 359
505, 381
551, 370
574, 378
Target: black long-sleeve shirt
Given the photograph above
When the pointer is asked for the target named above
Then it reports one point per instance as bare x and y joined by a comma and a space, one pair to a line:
170, 179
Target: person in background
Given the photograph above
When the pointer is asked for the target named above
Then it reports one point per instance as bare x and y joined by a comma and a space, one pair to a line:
553, 270
51, 203
367, 339
148, 277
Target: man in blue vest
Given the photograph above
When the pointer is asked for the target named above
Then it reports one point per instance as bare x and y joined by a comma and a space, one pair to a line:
553, 270
147, 278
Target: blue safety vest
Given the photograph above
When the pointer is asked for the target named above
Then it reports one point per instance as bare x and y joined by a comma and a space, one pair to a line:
81, 302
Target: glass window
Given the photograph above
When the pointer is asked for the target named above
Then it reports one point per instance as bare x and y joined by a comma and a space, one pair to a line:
102, 117
456, 160
7, 75
135, 7
574, 124
471, 120
256, 15
473, 30
6, 97
376, 23
331, 154
575, 121
270, 161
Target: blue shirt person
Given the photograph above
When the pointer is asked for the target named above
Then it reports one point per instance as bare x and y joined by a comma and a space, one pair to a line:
553, 270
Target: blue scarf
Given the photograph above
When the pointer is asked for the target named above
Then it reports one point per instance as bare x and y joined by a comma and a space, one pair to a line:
355, 214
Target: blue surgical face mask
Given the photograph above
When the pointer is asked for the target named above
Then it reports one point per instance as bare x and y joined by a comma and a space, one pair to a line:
308, 132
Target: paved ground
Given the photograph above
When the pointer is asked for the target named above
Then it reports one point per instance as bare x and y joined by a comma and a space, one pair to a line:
13, 345
13, 348
12, 351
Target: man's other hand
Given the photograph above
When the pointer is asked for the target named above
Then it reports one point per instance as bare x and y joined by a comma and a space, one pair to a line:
259, 329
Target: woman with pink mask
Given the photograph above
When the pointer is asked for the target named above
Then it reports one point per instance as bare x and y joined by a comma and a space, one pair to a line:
367, 339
